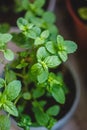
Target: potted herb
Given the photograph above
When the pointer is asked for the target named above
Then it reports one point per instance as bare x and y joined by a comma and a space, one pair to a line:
78, 11
33, 88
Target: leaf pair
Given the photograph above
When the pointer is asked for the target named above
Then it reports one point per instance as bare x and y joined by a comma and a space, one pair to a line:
46, 21
45, 61
28, 29
43, 118
55, 87
36, 7
42, 38
62, 48
4, 38
10, 93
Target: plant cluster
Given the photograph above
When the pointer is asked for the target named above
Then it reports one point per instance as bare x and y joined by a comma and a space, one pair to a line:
30, 82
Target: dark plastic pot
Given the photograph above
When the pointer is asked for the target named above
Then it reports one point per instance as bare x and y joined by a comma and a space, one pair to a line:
80, 27
71, 65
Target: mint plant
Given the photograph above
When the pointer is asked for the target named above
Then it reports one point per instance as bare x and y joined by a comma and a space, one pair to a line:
31, 78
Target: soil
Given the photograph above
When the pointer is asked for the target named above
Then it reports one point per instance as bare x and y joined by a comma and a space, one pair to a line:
77, 4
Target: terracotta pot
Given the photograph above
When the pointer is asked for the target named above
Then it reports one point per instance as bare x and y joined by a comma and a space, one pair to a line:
80, 27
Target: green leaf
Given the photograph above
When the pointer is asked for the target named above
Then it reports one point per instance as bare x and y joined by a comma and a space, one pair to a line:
22, 65
26, 96
30, 34
22, 23
5, 123
37, 30
25, 122
6, 37
63, 55
45, 34
36, 69
8, 54
38, 41
50, 47
42, 53
2, 82
60, 40
24, 4
70, 46
38, 92
58, 94
53, 111
10, 76
13, 89
39, 11
41, 117
52, 61
53, 29
39, 3
21, 5
49, 17
10, 108
43, 76
42, 103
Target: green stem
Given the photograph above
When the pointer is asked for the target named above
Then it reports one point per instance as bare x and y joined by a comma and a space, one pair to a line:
15, 102
20, 75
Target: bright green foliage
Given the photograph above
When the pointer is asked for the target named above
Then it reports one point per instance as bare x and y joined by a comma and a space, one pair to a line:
42, 39
26, 96
49, 17
12, 90
52, 61
10, 93
36, 65
65, 47
10, 75
10, 108
58, 94
29, 30
38, 92
5, 123
8, 54
54, 110
4, 38
35, 7
41, 117
21, 5
25, 122
46, 21
62, 48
